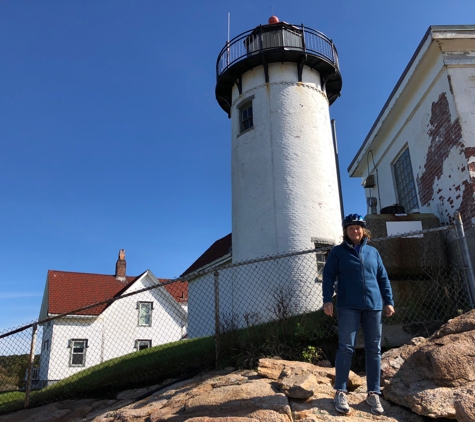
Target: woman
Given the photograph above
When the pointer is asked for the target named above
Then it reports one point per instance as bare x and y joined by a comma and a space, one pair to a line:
356, 271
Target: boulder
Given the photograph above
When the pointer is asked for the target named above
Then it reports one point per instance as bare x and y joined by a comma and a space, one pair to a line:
435, 377
277, 368
298, 386
465, 405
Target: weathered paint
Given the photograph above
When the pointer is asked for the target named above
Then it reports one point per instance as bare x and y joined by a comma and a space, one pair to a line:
434, 123
444, 174
432, 113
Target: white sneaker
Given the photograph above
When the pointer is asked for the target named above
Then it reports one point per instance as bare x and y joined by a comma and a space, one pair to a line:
373, 401
341, 404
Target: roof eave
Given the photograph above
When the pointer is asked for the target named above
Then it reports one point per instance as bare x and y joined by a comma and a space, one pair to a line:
208, 267
436, 38
400, 85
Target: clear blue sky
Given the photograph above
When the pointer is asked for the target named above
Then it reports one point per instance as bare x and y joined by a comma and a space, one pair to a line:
110, 135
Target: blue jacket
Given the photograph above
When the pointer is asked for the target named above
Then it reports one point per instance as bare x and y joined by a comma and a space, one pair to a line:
362, 279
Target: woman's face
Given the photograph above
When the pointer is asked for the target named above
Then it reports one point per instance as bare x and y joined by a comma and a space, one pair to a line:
355, 233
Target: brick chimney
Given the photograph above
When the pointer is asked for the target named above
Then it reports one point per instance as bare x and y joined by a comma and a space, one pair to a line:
120, 266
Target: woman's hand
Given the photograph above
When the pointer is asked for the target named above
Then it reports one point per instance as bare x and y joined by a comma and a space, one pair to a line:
328, 308
389, 310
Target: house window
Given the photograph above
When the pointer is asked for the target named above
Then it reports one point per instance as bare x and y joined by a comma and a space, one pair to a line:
404, 180
45, 345
78, 352
145, 313
142, 344
245, 116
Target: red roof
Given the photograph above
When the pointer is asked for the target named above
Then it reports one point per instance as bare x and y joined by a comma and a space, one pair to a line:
68, 291
217, 250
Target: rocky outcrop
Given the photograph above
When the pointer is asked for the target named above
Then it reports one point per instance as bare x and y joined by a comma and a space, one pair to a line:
280, 391
435, 377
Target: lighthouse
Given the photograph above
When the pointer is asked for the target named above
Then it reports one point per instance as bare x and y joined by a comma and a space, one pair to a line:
276, 83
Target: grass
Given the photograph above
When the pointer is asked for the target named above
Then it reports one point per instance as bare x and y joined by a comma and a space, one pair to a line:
288, 338
149, 367
11, 397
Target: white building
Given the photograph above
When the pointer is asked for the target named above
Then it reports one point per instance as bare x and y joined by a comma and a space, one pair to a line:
91, 336
420, 152
276, 83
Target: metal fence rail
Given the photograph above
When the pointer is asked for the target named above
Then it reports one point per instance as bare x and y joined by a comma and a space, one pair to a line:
428, 273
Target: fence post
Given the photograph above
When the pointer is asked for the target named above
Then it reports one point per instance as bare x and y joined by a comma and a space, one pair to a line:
467, 262
216, 315
30, 365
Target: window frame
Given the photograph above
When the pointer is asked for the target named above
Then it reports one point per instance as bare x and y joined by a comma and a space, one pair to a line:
72, 353
138, 341
399, 171
139, 313
242, 107
320, 256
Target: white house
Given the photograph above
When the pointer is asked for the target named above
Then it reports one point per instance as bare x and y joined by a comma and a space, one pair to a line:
420, 152
91, 336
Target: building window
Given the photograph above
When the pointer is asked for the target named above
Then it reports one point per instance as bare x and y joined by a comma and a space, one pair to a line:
46, 345
78, 352
404, 181
245, 116
145, 313
142, 344
321, 256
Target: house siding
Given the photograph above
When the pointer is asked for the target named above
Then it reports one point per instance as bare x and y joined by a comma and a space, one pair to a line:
113, 332
440, 156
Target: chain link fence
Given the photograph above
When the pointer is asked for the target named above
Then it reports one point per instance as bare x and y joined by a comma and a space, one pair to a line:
274, 301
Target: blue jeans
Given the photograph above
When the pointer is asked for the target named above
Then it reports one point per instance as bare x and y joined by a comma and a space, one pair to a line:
349, 321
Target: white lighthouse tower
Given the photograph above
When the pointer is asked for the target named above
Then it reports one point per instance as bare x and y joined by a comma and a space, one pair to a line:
276, 82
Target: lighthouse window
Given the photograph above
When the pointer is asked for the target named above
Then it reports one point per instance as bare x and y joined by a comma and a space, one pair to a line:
245, 112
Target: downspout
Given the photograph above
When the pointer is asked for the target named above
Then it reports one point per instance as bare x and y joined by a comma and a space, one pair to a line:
335, 147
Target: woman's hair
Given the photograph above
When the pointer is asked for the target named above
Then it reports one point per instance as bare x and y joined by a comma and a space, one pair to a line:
366, 234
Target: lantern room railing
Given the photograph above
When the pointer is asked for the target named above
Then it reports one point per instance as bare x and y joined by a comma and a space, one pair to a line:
277, 43
281, 36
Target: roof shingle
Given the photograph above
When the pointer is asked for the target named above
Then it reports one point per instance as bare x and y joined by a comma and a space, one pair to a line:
68, 291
